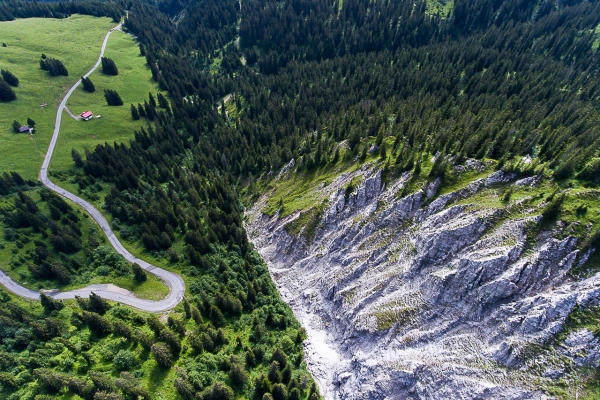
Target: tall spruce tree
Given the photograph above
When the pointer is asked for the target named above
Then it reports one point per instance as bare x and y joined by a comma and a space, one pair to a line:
88, 86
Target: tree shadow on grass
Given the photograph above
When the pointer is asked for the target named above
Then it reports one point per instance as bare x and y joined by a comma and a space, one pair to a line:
157, 377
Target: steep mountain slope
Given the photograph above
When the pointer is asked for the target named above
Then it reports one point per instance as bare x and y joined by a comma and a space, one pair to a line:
454, 295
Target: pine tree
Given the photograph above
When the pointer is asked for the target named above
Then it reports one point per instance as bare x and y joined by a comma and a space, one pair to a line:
139, 273
162, 101
152, 99
10, 78
109, 67
50, 304
76, 158
112, 97
134, 113
88, 86
162, 355
6, 92
98, 304
53, 66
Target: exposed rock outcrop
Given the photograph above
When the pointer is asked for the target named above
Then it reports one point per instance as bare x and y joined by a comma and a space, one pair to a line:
427, 297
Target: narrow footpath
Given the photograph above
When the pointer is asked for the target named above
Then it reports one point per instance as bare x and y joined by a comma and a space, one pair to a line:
108, 291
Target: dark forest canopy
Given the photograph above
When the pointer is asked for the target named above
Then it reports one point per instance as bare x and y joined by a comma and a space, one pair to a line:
13, 9
492, 80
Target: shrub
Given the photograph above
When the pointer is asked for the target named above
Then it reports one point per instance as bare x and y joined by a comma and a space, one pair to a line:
124, 360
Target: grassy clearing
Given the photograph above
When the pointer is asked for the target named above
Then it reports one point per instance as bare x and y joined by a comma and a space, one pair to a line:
441, 7
133, 84
298, 192
76, 41
306, 224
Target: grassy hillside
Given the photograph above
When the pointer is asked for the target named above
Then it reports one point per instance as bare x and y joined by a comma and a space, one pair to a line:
133, 84
75, 41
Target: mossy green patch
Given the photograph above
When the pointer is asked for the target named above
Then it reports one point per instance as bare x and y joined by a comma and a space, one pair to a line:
306, 224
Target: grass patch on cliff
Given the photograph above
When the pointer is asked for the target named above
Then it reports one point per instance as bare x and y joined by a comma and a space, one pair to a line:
385, 319
76, 41
303, 189
306, 224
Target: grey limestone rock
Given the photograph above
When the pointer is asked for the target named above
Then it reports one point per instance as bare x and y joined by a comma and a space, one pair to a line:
425, 295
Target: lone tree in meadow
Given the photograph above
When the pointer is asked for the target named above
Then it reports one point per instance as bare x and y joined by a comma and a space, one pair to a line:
112, 97
88, 86
53, 66
10, 78
16, 125
109, 67
6, 92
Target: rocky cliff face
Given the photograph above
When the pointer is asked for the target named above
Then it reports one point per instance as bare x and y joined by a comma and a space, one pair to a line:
427, 295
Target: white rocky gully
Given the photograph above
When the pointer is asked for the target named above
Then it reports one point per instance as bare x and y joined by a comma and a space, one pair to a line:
414, 298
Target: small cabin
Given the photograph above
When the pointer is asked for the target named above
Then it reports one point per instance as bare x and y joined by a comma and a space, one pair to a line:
87, 115
25, 129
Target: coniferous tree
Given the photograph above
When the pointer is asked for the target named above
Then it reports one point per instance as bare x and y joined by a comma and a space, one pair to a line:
141, 110
76, 156
109, 67
162, 100
112, 97
134, 113
50, 304
6, 92
139, 273
162, 355
54, 67
10, 78
88, 86
152, 100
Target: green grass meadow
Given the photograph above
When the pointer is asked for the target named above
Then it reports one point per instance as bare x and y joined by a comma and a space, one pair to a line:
76, 41
133, 84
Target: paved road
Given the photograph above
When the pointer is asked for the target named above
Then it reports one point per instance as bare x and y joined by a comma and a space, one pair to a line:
110, 292
75, 117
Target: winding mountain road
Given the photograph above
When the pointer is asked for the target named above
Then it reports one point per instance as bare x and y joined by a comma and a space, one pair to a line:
107, 291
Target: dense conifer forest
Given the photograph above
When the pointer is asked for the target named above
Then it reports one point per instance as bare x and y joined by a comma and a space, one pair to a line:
491, 80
